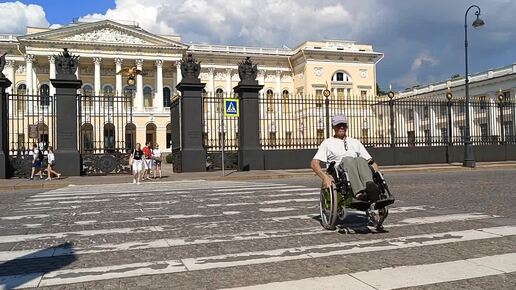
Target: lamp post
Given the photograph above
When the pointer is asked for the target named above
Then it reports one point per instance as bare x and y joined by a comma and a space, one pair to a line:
469, 158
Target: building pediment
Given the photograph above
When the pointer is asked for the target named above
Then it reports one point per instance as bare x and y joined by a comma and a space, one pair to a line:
103, 32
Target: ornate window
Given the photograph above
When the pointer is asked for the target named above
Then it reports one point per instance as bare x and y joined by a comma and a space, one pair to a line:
147, 97
166, 97
341, 77
130, 136
108, 90
109, 137
150, 133
285, 101
87, 137
270, 100
219, 94
44, 91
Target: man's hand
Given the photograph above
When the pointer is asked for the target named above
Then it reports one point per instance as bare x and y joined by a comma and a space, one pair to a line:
327, 181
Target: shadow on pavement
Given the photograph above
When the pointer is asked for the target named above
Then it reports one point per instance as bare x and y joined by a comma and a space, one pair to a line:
27, 270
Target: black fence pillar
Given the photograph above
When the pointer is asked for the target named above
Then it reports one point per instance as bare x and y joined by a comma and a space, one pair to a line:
68, 158
250, 154
186, 116
4, 129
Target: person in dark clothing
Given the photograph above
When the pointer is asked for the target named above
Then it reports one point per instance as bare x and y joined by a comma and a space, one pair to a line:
137, 158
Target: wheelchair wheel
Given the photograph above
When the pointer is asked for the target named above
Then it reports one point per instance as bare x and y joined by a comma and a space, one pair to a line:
328, 207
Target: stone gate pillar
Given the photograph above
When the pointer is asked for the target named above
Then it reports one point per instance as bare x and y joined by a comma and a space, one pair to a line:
250, 152
68, 158
4, 131
188, 152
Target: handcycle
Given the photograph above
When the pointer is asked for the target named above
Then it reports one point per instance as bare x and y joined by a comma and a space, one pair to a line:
339, 198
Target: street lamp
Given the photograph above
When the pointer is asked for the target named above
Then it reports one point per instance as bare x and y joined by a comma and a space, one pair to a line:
469, 158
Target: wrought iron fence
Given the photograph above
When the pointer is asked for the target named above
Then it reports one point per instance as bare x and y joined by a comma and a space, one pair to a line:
106, 133
31, 120
302, 122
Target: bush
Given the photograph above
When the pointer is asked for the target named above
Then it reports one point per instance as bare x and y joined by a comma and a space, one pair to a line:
168, 158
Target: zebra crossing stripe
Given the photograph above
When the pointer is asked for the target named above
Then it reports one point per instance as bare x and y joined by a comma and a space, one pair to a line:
403, 276
172, 242
68, 276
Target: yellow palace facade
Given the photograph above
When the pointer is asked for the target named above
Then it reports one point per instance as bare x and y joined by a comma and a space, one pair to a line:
347, 68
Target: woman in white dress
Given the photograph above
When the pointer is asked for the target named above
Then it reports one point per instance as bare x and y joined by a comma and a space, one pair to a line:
156, 161
51, 163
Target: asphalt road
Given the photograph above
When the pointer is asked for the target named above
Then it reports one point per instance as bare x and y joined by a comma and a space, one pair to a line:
447, 230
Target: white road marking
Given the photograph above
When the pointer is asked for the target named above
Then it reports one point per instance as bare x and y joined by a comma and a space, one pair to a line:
79, 275
256, 235
402, 277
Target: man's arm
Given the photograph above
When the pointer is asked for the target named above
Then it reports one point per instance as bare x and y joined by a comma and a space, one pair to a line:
316, 167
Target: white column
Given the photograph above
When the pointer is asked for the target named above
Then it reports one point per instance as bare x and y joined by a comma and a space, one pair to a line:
118, 77
9, 64
417, 125
211, 86
278, 93
493, 125
139, 86
261, 78
78, 68
229, 89
52, 73
433, 124
178, 74
97, 85
158, 96
29, 58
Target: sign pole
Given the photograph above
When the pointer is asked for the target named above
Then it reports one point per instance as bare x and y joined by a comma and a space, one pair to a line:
222, 135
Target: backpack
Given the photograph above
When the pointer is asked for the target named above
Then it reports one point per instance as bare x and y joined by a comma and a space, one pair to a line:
40, 155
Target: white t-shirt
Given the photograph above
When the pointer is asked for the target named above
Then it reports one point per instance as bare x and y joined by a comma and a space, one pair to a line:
156, 153
51, 157
334, 149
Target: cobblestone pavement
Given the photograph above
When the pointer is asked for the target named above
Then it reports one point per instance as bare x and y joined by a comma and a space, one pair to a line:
448, 230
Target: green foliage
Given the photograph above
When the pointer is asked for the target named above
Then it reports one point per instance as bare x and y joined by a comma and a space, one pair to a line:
168, 158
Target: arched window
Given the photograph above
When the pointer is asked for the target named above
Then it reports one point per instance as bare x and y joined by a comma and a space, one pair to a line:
169, 135
270, 100
21, 89
44, 91
87, 137
166, 97
150, 133
147, 97
341, 77
87, 90
108, 90
219, 94
129, 91
109, 137
130, 137
285, 101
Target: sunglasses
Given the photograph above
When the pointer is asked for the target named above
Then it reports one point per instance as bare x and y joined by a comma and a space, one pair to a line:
345, 145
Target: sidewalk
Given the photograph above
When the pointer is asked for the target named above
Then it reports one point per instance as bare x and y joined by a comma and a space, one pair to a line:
20, 183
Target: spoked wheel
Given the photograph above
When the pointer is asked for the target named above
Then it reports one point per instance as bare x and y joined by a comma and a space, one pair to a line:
328, 206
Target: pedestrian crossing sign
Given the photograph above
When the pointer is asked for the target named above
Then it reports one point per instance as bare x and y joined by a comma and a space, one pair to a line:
231, 108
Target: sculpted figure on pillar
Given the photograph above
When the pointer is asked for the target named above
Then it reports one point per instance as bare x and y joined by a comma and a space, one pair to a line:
66, 65
2, 65
190, 69
247, 71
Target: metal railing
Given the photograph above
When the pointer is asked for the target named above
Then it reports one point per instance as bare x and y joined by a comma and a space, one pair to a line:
105, 124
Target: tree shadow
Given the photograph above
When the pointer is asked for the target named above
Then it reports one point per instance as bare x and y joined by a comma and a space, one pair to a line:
27, 270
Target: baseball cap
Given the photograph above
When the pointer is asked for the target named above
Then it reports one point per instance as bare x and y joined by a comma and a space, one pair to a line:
338, 119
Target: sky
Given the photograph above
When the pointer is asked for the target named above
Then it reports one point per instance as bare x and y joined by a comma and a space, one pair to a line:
423, 40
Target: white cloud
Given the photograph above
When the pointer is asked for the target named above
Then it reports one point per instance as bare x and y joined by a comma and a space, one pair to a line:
16, 16
423, 58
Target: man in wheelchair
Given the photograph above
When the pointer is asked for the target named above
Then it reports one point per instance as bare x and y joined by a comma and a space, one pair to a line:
350, 156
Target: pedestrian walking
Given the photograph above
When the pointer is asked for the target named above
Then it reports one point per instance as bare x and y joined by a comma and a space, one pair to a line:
51, 164
137, 163
156, 160
37, 160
